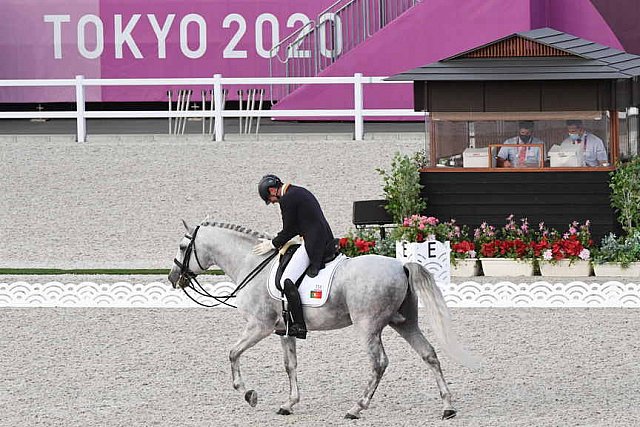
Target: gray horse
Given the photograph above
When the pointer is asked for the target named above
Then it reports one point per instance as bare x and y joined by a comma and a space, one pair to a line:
368, 292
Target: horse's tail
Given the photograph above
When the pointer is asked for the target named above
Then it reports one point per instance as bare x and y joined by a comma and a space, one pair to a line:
424, 286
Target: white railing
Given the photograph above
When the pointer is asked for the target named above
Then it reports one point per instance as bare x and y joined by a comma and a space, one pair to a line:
358, 112
335, 31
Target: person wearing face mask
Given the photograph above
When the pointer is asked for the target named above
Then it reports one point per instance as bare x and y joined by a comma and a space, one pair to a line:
595, 153
520, 157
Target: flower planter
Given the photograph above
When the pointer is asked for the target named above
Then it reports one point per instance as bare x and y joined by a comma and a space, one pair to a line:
565, 268
468, 267
506, 267
614, 269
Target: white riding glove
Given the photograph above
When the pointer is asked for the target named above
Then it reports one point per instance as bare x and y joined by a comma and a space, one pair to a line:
265, 246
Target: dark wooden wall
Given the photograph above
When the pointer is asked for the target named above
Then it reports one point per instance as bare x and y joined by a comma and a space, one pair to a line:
557, 198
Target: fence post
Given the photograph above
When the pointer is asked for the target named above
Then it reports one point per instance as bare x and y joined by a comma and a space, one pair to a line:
217, 106
358, 105
81, 123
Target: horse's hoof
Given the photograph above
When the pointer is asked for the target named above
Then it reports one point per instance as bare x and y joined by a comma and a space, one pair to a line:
283, 411
251, 397
448, 414
351, 417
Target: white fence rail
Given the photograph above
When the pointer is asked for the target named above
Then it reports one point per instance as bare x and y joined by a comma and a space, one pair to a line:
218, 114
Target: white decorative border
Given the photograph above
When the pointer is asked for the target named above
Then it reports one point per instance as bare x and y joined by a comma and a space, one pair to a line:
464, 294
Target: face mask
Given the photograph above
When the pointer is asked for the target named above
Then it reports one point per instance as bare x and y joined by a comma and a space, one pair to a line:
574, 136
525, 138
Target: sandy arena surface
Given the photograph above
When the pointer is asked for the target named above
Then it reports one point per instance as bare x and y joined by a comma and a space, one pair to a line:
117, 203
143, 367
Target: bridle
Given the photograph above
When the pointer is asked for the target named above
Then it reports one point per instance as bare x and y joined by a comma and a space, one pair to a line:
191, 277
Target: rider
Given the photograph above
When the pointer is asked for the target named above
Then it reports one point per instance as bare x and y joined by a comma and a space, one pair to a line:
301, 215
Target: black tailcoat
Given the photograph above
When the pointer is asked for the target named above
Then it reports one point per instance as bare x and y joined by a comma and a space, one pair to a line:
302, 215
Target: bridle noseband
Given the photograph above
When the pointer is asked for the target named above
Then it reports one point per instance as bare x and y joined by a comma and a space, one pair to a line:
185, 272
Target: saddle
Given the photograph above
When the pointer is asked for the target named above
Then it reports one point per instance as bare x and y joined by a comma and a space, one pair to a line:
287, 252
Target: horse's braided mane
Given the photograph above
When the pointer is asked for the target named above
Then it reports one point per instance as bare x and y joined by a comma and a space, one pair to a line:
237, 228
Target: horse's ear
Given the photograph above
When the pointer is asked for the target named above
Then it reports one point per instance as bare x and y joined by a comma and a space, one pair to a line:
186, 227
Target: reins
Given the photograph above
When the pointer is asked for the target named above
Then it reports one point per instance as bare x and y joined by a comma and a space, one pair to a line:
199, 289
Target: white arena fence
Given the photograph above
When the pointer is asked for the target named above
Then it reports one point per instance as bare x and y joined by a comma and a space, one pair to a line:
217, 82
463, 294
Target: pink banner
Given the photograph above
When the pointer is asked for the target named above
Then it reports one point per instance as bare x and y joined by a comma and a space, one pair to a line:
138, 39
44, 39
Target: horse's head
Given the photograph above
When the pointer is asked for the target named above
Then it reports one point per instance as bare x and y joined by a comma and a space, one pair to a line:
186, 264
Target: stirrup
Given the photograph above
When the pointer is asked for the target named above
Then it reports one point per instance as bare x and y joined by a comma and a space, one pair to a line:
297, 330
286, 317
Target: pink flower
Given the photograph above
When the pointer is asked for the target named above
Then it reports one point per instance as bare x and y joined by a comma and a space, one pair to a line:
432, 220
584, 254
547, 255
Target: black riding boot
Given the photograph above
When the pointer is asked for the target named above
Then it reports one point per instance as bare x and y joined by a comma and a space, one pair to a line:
298, 328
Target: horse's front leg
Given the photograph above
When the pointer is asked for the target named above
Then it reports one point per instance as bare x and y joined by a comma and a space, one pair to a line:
291, 366
253, 333
379, 363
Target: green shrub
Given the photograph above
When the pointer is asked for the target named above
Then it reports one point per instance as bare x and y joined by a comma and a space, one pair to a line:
622, 250
625, 194
402, 188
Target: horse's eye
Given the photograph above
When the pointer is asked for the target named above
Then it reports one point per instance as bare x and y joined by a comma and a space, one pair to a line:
182, 247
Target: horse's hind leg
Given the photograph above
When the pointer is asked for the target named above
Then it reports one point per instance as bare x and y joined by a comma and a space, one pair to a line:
253, 333
414, 336
379, 363
291, 366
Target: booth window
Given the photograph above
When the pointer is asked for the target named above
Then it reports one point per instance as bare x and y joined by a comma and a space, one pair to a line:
549, 140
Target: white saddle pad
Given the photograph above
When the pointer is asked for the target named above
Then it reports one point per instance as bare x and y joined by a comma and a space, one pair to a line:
314, 291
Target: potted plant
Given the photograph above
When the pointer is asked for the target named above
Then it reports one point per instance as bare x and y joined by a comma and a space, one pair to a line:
402, 188
567, 254
360, 242
618, 256
506, 251
625, 193
464, 261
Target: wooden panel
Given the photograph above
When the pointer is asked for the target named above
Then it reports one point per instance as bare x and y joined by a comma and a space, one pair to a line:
512, 96
515, 47
454, 96
577, 95
557, 198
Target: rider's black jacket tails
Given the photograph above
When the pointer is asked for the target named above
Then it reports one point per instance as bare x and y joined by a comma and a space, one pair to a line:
302, 215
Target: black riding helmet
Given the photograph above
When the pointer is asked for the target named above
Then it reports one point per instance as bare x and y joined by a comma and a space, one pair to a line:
267, 182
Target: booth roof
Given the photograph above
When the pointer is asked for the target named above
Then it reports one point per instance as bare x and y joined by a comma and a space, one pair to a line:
583, 60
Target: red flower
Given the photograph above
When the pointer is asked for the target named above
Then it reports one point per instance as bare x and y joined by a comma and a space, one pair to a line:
344, 241
538, 248
463, 247
490, 249
363, 246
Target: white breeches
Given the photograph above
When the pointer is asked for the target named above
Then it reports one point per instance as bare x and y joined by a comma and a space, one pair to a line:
297, 266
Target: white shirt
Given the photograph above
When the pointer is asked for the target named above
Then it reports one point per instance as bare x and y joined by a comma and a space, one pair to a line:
594, 151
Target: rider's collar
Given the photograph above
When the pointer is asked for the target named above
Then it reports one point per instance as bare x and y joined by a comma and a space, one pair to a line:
285, 187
